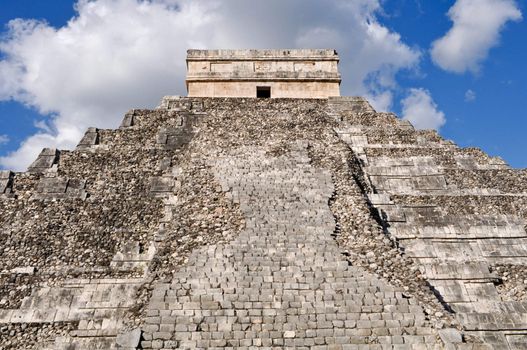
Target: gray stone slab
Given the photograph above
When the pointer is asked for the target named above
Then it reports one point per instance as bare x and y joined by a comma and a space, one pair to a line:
4, 185
517, 341
128, 119
401, 184
25, 270
450, 336
392, 213
52, 185
161, 184
129, 339
451, 291
465, 270
90, 138
45, 160
49, 152
503, 248
178, 136
5, 174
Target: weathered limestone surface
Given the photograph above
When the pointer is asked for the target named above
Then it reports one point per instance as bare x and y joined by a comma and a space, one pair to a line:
6, 182
283, 281
45, 161
456, 248
244, 223
89, 140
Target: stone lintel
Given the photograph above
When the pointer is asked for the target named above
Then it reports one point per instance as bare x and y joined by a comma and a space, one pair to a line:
263, 55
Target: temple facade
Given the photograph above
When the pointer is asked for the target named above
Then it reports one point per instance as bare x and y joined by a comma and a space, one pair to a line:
306, 73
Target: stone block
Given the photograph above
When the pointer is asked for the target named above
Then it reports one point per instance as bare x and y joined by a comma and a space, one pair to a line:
358, 140
175, 103
481, 292
43, 316
26, 270
4, 185
45, 160
5, 315
392, 213
21, 316
6, 174
176, 137
450, 336
130, 339
76, 188
405, 125
348, 103
517, 341
467, 270
413, 170
60, 188
501, 249
129, 119
430, 182
379, 199
90, 138
197, 106
161, 185
451, 291
6, 182
54, 185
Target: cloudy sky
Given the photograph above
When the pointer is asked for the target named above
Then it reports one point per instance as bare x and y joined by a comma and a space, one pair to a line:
457, 66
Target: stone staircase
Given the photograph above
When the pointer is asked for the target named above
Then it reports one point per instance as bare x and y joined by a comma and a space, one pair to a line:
283, 282
455, 252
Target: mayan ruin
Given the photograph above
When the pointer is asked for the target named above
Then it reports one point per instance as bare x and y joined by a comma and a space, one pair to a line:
263, 211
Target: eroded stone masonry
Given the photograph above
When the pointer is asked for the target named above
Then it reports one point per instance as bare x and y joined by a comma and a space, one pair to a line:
263, 223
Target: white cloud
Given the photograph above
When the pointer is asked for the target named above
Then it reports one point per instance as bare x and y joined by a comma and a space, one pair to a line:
116, 55
120, 54
420, 109
370, 55
476, 29
380, 101
470, 95
4, 139
29, 149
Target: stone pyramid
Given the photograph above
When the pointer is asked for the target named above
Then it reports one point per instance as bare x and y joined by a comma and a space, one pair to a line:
245, 223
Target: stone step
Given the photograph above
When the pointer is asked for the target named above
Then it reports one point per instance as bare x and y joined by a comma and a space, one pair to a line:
458, 270
6, 182
46, 161
89, 140
400, 184
413, 161
282, 282
404, 171
456, 232
482, 321
490, 250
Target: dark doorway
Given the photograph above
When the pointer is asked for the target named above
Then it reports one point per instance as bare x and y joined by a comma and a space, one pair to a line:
263, 91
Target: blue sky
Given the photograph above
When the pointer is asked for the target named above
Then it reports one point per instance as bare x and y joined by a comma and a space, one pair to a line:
496, 120
17, 121
74, 68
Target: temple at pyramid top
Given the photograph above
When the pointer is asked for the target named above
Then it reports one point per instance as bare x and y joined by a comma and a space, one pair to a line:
298, 73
